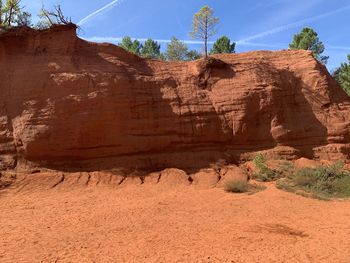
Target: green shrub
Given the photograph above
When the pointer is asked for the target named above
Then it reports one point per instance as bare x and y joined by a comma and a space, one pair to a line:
342, 186
236, 186
264, 173
321, 182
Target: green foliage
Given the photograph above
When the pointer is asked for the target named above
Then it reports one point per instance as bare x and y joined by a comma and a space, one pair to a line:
1, 12
12, 9
204, 26
342, 75
131, 46
11, 14
322, 182
150, 49
264, 174
236, 186
24, 19
162, 56
308, 39
176, 50
193, 55
223, 45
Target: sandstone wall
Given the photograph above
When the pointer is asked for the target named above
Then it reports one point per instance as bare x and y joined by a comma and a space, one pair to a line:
69, 104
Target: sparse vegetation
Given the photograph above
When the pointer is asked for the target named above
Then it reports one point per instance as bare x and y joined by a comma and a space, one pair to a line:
264, 173
323, 182
236, 186
241, 186
49, 18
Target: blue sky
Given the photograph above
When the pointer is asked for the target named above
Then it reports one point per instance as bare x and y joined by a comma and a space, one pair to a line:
253, 24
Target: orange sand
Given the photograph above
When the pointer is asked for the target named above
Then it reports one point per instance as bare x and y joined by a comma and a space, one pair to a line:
150, 224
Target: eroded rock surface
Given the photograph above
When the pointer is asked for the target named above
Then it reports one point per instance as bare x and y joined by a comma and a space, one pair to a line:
72, 105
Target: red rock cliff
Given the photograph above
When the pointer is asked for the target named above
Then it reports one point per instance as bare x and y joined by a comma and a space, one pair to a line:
70, 104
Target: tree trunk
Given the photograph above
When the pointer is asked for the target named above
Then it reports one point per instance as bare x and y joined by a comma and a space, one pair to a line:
10, 16
0, 13
206, 38
206, 46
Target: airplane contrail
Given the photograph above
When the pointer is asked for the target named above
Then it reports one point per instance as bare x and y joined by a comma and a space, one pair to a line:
293, 25
346, 48
189, 42
194, 42
118, 39
99, 11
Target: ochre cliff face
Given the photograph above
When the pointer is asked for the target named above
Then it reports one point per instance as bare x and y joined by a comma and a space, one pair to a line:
70, 104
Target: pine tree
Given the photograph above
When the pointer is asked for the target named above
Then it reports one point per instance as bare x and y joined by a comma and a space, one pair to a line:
176, 50
342, 75
308, 39
223, 45
204, 26
131, 46
193, 55
150, 49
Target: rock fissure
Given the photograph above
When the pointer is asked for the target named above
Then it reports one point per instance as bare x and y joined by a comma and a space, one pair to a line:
59, 182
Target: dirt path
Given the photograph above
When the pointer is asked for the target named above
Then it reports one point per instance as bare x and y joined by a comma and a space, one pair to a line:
150, 224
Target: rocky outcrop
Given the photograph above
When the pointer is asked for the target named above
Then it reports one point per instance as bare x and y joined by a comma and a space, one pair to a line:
73, 105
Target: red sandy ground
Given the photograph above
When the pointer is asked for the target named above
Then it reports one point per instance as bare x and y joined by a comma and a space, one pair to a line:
151, 224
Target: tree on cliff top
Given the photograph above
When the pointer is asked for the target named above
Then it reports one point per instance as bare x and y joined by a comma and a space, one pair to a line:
49, 18
193, 55
1, 13
176, 50
204, 26
223, 45
308, 39
342, 75
150, 49
131, 46
11, 10
24, 19
12, 14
